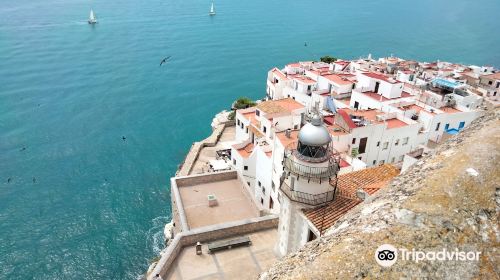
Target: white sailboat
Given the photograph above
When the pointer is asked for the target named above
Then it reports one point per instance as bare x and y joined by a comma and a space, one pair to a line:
212, 10
92, 18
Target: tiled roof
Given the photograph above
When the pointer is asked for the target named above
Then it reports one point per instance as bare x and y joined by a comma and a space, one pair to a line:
325, 217
381, 77
347, 119
246, 151
286, 105
341, 80
370, 180
494, 76
279, 73
374, 177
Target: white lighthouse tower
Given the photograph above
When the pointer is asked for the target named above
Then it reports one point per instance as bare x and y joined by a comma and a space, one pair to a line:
310, 168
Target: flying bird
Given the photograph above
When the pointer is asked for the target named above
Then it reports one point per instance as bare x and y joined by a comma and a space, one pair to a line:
165, 60
124, 138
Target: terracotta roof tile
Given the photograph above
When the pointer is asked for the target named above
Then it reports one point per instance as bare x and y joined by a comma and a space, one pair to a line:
374, 177
286, 105
370, 180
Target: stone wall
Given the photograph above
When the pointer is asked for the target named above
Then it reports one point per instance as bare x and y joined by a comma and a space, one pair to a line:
194, 152
205, 178
437, 204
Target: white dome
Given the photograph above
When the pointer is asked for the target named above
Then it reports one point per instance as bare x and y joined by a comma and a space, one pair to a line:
314, 135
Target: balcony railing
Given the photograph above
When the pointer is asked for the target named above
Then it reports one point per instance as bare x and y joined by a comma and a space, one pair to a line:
309, 199
310, 172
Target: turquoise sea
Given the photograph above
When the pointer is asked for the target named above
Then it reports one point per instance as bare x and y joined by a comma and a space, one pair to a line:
81, 203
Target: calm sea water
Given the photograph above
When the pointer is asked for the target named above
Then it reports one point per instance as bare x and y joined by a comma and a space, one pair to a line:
84, 204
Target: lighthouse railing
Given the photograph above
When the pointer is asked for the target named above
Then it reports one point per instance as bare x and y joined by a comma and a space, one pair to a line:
306, 198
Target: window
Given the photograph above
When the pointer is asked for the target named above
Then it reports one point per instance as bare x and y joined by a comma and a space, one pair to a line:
397, 142
241, 125
238, 122
437, 126
374, 162
295, 127
248, 183
353, 140
381, 162
234, 162
261, 201
393, 159
258, 182
401, 158
265, 129
273, 186
490, 83
362, 145
386, 145
247, 129
360, 158
257, 112
245, 167
447, 126
405, 140
378, 144
263, 190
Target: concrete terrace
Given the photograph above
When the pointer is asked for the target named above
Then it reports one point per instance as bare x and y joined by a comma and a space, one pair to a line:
233, 204
237, 263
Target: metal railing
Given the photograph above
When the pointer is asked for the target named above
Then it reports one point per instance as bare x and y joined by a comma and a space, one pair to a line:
310, 172
306, 198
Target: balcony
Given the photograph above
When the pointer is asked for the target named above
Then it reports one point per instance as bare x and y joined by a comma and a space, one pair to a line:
310, 172
309, 199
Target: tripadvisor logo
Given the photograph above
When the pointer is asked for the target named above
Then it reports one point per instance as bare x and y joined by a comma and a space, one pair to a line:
386, 255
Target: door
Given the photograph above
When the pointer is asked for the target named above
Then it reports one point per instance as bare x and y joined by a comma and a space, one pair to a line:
356, 104
271, 203
461, 125
377, 84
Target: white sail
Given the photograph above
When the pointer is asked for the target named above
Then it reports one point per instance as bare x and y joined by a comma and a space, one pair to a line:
212, 9
92, 18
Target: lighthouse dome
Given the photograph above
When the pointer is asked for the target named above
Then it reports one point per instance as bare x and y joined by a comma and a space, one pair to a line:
314, 133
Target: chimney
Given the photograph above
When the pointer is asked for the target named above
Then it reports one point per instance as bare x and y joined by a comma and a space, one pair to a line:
288, 133
361, 194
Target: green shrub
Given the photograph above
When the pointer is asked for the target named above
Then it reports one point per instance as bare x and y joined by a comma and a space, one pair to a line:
328, 59
243, 103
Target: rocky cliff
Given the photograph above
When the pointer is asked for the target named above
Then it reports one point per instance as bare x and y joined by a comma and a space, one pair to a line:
448, 200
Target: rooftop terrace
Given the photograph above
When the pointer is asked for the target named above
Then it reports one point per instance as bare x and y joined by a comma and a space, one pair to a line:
237, 263
234, 201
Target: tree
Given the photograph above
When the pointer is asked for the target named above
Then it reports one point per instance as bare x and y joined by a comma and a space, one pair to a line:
328, 59
243, 103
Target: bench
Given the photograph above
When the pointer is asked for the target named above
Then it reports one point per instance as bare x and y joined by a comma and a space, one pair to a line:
228, 244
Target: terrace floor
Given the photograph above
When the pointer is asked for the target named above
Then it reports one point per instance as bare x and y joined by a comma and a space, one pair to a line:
237, 263
233, 204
